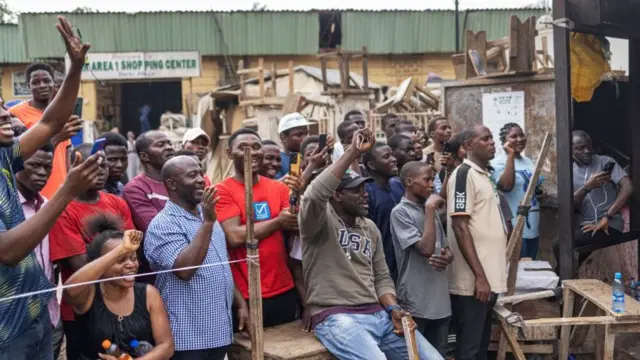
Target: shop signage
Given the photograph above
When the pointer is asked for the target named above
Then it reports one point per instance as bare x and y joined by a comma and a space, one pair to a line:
141, 65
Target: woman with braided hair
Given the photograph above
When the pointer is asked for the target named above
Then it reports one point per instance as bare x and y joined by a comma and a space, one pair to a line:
513, 171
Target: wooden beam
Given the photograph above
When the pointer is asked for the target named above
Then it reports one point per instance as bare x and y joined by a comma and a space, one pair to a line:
410, 338
510, 335
504, 41
365, 68
261, 77
243, 92
323, 69
291, 77
566, 321
253, 264
514, 299
247, 71
563, 142
565, 331
274, 77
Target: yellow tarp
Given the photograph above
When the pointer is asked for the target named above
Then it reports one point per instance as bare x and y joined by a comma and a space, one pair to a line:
588, 64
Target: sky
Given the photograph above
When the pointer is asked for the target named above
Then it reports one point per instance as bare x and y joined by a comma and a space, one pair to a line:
185, 5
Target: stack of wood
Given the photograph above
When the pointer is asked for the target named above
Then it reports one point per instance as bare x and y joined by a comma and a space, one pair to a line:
410, 97
343, 57
483, 58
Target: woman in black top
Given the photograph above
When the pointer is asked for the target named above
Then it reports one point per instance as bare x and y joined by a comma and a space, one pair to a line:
120, 310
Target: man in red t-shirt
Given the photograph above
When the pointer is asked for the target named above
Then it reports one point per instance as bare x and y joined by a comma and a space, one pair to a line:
271, 216
68, 238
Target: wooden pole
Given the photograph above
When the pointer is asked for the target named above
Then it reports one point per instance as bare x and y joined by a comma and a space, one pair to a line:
261, 78
410, 337
253, 264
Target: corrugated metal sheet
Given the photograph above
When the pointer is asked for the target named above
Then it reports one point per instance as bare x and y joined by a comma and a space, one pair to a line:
12, 45
257, 33
422, 31
399, 32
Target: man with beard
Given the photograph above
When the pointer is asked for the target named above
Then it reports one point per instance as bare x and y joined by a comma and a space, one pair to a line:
293, 128
350, 294
185, 234
384, 193
115, 151
146, 194
271, 216
25, 327
272, 160
69, 239
477, 236
439, 131
402, 149
40, 78
198, 141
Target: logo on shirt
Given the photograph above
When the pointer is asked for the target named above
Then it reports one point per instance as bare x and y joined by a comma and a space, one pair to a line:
355, 242
261, 211
460, 200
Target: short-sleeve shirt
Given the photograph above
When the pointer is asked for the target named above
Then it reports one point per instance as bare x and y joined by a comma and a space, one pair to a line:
524, 171
69, 238
284, 165
596, 203
470, 192
270, 197
381, 201
420, 289
146, 197
199, 309
17, 315
29, 116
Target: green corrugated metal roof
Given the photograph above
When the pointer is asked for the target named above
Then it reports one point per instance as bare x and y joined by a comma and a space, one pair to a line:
246, 33
399, 31
12, 45
422, 31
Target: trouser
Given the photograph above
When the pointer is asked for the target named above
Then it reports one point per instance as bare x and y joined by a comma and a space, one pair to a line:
34, 344
530, 247
473, 326
368, 337
218, 353
435, 331
584, 239
276, 310
74, 338
56, 339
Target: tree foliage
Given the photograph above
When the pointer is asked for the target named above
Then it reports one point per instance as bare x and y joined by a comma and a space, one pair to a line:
7, 15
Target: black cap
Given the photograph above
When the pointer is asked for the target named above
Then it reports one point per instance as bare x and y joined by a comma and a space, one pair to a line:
352, 179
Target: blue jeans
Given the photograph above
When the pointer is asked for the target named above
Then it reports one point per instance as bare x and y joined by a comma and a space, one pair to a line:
530, 248
368, 337
34, 344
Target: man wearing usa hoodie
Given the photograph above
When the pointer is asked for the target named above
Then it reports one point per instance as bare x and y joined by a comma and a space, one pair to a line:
350, 294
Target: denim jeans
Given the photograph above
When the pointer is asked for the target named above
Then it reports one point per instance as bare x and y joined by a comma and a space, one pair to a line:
34, 344
368, 337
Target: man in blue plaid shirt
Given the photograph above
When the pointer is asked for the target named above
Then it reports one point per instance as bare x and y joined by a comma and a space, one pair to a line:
184, 234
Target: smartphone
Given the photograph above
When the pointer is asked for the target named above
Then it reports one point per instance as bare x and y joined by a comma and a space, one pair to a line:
77, 110
608, 167
294, 166
448, 148
98, 145
322, 142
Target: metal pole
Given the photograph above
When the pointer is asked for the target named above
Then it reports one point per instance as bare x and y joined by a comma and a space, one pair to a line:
457, 16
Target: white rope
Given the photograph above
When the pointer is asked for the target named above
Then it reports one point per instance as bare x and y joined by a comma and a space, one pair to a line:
53, 289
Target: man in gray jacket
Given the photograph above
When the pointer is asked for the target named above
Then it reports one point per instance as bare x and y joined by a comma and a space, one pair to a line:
350, 294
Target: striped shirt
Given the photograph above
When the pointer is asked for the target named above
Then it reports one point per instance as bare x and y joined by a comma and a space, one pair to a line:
199, 309
18, 315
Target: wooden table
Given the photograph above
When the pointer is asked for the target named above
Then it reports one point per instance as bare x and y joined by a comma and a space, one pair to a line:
608, 323
283, 342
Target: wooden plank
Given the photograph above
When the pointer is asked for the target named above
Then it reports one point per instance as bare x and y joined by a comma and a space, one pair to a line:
605, 341
504, 41
478, 43
565, 331
323, 69
261, 77
365, 68
287, 342
247, 71
253, 264
410, 338
513, 299
265, 101
513, 342
599, 294
243, 92
274, 77
586, 320
579, 334
291, 77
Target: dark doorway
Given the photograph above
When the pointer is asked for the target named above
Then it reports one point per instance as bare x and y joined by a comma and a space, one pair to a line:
160, 96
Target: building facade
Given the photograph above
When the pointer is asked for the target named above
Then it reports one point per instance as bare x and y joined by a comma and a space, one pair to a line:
169, 59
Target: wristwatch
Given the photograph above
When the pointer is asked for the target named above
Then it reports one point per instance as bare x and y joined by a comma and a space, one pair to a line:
585, 189
390, 308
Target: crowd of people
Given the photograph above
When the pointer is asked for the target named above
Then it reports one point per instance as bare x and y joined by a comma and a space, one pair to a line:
375, 231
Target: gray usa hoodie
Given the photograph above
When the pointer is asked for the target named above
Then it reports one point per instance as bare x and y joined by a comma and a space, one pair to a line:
332, 277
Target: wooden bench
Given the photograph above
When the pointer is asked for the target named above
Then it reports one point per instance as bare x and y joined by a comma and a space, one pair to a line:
283, 342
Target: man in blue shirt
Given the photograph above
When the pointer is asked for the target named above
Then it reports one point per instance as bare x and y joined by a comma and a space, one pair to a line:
186, 234
293, 128
25, 327
385, 192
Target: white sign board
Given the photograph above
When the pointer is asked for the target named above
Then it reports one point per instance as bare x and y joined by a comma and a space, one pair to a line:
500, 108
141, 65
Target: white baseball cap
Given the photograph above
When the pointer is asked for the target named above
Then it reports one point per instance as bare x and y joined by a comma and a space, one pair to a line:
291, 121
193, 134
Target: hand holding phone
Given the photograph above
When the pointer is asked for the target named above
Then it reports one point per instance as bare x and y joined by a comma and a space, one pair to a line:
608, 167
322, 141
98, 145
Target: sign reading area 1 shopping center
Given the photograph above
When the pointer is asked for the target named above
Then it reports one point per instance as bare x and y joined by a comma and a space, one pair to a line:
141, 65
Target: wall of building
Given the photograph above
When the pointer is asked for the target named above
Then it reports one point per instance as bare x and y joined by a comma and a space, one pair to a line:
7, 81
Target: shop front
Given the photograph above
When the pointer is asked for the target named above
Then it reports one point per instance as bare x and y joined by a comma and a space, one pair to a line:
117, 87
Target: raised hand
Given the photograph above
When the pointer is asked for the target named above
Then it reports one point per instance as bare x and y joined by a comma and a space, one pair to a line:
131, 240
83, 174
209, 201
76, 50
71, 128
363, 140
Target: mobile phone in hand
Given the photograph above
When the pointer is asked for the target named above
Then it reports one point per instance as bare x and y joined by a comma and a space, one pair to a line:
322, 142
448, 148
98, 145
77, 110
608, 167
294, 166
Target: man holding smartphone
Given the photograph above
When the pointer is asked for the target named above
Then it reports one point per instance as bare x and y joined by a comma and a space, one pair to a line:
601, 189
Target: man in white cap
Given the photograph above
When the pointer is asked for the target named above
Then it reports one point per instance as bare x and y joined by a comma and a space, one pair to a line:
293, 128
198, 141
